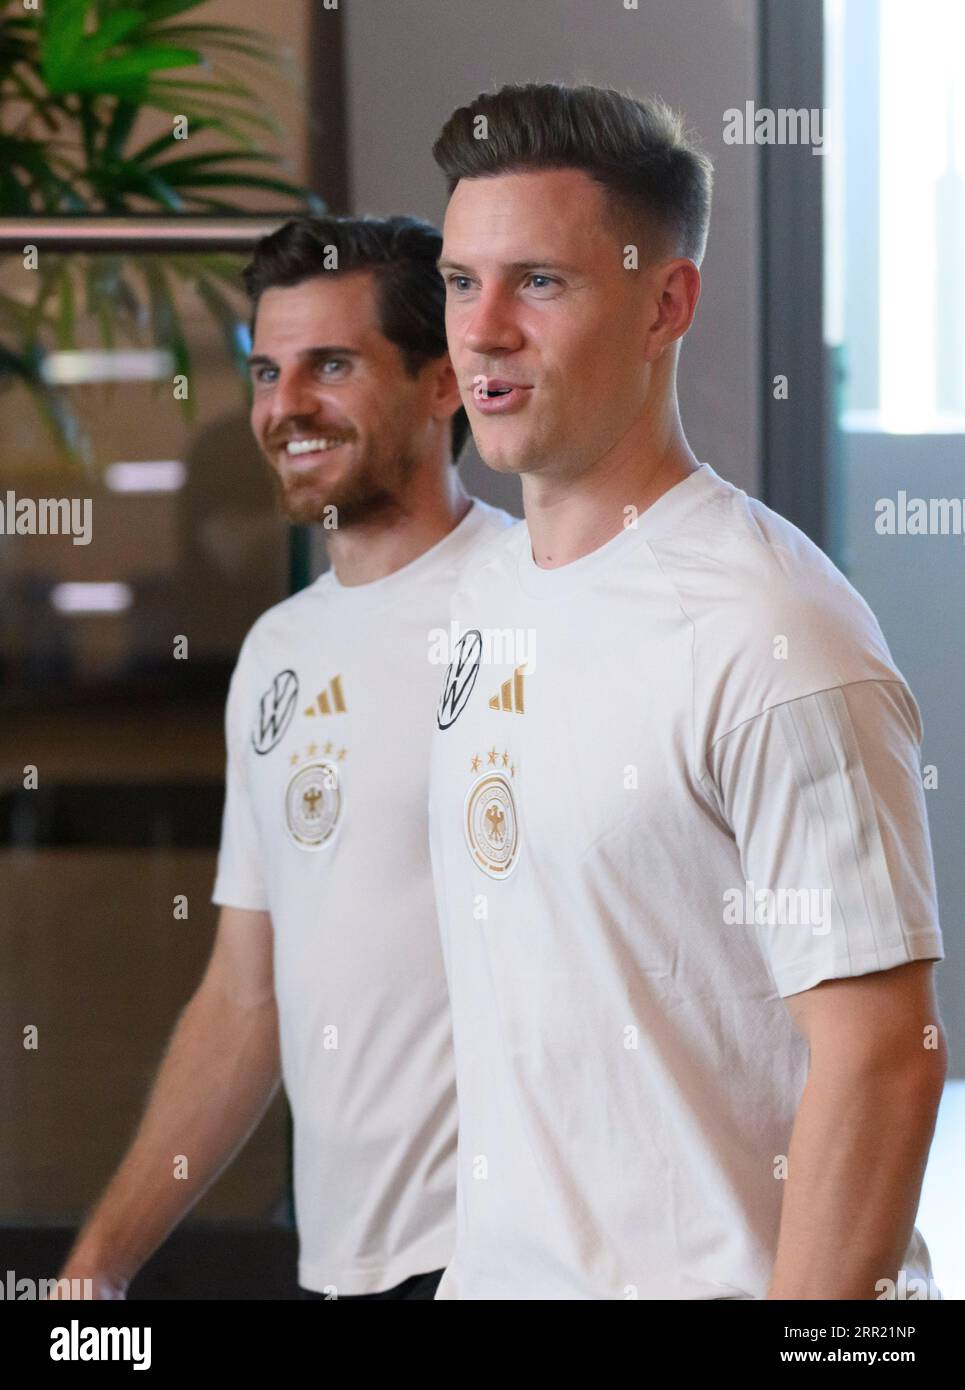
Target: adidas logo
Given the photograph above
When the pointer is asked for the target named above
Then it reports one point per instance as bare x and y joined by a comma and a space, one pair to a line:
510, 696
330, 701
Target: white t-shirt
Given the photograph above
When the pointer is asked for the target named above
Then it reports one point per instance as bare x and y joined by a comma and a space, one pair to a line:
328, 726
698, 793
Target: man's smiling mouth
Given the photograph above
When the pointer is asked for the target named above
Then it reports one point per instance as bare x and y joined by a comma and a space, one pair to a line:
320, 445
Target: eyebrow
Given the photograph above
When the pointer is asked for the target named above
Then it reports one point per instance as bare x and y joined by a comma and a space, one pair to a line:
548, 264
316, 354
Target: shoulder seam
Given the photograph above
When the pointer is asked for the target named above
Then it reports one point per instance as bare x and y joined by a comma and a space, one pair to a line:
839, 685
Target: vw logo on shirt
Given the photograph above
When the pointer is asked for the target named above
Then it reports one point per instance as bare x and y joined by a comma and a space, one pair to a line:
275, 712
460, 678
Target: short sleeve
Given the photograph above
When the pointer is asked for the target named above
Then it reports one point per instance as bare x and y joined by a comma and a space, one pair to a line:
825, 800
239, 881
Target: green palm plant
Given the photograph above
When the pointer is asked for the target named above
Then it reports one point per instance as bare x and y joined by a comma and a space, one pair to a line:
75, 76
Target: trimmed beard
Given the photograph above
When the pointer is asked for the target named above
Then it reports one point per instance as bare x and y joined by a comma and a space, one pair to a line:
357, 499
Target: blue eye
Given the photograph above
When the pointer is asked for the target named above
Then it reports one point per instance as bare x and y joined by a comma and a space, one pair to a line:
451, 279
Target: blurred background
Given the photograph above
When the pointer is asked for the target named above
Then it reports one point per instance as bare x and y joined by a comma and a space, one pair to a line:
836, 268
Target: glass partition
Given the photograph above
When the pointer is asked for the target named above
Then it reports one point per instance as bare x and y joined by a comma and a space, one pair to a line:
127, 582
894, 313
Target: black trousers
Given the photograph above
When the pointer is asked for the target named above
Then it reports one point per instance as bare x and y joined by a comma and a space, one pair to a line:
419, 1286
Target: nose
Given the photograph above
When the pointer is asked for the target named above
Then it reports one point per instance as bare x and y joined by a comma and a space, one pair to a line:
294, 395
491, 326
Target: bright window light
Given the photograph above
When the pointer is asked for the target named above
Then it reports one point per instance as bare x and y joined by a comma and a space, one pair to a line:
922, 180
161, 475
82, 367
91, 598
895, 212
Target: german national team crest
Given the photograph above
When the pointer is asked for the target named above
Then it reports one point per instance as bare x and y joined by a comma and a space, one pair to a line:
313, 804
491, 823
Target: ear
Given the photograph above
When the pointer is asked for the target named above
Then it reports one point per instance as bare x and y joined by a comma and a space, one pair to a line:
446, 397
678, 284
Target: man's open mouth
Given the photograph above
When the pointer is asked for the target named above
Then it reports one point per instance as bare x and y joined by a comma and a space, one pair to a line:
495, 396
495, 387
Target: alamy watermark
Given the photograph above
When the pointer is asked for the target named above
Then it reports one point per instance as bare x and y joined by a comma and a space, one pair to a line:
75, 1343
919, 516
26, 1290
498, 646
46, 516
787, 125
795, 907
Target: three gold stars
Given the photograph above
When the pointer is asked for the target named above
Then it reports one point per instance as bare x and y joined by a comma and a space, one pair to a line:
312, 750
493, 760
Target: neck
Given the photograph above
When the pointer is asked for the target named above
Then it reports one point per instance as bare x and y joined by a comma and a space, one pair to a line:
571, 516
420, 518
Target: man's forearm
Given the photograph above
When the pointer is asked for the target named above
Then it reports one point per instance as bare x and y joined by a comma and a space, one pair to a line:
855, 1167
217, 1078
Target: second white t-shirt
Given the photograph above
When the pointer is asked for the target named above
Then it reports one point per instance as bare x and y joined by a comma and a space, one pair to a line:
328, 723
672, 782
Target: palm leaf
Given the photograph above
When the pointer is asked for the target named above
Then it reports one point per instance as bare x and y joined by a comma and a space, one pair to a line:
124, 177
241, 181
99, 302
65, 326
157, 10
70, 439
166, 322
215, 116
126, 76
13, 366
176, 170
230, 37
61, 29
119, 127
81, 73
35, 317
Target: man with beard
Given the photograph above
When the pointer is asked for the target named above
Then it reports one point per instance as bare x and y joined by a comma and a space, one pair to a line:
326, 969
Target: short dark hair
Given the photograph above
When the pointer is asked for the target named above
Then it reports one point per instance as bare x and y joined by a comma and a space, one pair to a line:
401, 252
655, 180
